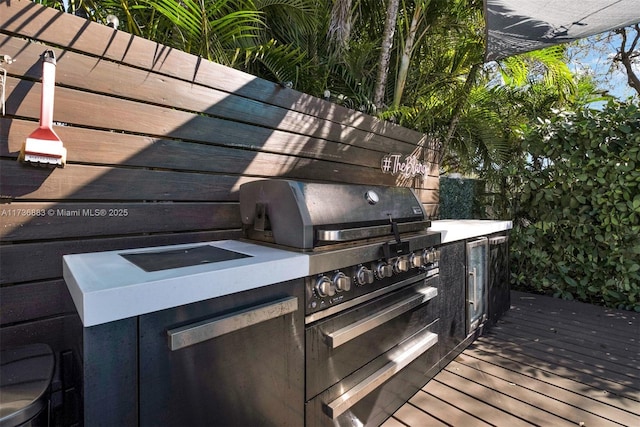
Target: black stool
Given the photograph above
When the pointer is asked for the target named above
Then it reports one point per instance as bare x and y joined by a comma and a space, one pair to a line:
25, 379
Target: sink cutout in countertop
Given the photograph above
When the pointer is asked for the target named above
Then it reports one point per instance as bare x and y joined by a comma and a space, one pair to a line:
186, 257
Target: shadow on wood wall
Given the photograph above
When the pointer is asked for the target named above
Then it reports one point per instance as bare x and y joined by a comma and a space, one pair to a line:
158, 143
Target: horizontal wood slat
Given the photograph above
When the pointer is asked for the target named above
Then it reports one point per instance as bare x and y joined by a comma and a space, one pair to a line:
58, 332
104, 147
103, 77
190, 127
80, 182
32, 300
429, 195
40, 221
47, 25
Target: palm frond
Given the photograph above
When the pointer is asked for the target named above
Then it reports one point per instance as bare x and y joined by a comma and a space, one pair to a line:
209, 29
279, 63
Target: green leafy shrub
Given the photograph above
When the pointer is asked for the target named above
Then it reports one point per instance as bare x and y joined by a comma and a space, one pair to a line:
456, 198
577, 233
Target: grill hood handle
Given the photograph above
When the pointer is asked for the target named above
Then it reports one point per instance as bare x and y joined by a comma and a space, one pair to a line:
395, 249
261, 222
394, 228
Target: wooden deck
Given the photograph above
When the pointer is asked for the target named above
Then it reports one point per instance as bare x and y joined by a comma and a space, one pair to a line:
547, 362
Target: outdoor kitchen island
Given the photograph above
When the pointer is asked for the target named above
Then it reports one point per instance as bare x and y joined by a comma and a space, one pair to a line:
223, 342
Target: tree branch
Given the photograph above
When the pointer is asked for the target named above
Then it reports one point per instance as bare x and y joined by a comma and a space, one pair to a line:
385, 53
627, 56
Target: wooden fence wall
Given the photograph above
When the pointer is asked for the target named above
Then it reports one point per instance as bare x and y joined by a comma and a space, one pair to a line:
158, 143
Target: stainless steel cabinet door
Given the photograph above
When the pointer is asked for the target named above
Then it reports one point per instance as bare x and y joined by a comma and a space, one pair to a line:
231, 361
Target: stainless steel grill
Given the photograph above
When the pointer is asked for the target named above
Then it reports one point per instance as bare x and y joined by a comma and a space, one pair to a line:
309, 215
370, 316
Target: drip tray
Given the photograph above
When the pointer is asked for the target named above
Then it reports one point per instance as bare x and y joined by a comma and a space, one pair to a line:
186, 257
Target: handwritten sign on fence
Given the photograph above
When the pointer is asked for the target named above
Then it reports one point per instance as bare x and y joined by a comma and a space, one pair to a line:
407, 168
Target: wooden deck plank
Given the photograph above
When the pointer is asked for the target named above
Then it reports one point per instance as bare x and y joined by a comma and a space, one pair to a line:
410, 415
392, 422
594, 314
547, 362
555, 360
574, 323
488, 413
560, 376
498, 393
568, 351
595, 336
447, 412
573, 401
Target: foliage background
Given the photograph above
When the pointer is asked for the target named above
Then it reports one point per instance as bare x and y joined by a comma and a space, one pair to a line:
577, 226
458, 198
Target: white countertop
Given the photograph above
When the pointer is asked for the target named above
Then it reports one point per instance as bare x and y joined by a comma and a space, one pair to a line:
106, 287
452, 230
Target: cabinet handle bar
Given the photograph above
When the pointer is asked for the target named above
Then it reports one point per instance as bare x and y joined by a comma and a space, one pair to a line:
347, 333
195, 333
364, 388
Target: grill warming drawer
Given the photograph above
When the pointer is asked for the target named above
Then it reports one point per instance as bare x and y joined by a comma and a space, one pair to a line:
370, 395
340, 345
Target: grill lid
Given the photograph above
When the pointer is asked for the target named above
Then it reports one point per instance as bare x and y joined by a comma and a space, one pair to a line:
304, 215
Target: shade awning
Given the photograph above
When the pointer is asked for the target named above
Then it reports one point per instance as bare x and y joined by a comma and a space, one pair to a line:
518, 26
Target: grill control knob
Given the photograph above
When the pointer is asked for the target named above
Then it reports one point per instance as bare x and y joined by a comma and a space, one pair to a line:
436, 255
401, 265
383, 270
341, 282
364, 276
324, 287
416, 260
428, 256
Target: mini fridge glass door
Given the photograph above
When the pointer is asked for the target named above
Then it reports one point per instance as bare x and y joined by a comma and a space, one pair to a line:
477, 275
